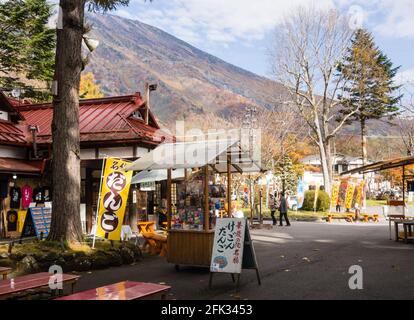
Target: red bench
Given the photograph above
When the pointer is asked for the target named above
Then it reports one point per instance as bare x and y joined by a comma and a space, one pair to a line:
4, 272
32, 283
126, 290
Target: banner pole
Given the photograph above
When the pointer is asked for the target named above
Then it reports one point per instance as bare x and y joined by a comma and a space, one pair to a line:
99, 203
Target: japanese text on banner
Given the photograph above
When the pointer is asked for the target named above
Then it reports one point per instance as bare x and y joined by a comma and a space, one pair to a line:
113, 199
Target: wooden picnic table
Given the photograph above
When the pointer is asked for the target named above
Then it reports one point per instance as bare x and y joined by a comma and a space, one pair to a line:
31, 283
4, 272
126, 290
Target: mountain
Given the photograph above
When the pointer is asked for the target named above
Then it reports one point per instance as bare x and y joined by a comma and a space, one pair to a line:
190, 81
192, 84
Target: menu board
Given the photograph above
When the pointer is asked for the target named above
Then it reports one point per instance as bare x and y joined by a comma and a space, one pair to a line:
228, 245
37, 222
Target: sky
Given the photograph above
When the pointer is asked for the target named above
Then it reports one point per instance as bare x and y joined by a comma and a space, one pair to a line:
240, 31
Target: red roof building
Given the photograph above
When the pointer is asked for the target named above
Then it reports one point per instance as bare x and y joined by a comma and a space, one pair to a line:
100, 121
109, 127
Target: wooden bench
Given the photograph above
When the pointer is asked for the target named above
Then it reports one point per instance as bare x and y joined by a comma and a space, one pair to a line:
373, 217
126, 290
349, 217
155, 243
4, 272
146, 226
33, 284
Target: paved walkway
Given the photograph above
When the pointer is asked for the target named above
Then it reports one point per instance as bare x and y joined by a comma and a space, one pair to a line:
306, 261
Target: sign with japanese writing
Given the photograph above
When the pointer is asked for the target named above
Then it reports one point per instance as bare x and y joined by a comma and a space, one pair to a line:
349, 196
359, 199
228, 245
335, 194
113, 199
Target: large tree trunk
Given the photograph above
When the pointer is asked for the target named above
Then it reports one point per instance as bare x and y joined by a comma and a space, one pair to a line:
66, 224
325, 160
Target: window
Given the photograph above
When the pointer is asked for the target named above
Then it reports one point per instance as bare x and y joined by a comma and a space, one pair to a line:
4, 115
138, 115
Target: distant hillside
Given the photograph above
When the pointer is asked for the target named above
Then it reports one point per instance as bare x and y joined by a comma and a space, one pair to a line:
190, 80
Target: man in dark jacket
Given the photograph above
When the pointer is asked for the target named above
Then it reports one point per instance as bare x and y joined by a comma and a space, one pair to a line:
283, 209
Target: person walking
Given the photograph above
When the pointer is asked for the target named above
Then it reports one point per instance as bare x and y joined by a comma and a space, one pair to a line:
272, 206
283, 209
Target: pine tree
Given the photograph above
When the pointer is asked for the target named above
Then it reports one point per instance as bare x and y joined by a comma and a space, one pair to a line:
285, 171
26, 44
370, 87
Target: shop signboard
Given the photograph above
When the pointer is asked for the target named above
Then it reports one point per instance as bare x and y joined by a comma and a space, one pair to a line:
113, 198
147, 186
232, 248
37, 222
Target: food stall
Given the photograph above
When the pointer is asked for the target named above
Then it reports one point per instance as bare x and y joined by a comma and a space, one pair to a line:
192, 200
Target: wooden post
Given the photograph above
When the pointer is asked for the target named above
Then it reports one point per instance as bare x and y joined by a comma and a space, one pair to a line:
229, 185
169, 213
89, 199
403, 188
206, 200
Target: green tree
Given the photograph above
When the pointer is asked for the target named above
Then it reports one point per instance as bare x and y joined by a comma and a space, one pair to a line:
285, 170
369, 87
66, 225
26, 44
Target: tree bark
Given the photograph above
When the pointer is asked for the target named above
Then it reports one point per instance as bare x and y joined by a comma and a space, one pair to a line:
364, 142
66, 224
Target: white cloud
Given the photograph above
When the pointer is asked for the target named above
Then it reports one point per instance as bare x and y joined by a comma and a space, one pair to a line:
405, 77
219, 21
389, 18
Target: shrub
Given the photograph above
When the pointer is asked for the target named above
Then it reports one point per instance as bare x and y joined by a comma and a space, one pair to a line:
322, 203
308, 200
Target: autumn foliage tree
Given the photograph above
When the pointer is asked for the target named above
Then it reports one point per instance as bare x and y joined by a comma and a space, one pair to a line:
88, 88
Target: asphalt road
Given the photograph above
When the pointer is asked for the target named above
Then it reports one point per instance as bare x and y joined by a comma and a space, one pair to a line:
305, 261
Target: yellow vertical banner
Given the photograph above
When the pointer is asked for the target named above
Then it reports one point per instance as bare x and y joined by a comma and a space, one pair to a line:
335, 193
349, 195
360, 194
113, 199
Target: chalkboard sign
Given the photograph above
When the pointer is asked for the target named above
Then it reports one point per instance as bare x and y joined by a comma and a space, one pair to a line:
37, 222
232, 249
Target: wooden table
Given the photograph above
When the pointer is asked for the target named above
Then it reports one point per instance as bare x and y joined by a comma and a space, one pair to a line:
408, 231
394, 217
146, 226
31, 283
126, 290
4, 272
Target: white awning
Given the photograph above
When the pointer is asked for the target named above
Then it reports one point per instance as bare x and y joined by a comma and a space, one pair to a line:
186, 155
156, 175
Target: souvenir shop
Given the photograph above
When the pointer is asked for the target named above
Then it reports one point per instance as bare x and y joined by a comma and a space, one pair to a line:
198, 195
20, 190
